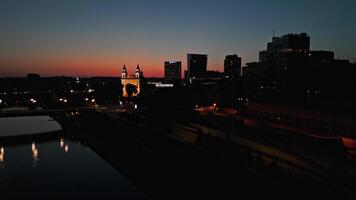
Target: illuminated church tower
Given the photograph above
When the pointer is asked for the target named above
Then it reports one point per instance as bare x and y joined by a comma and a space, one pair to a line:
124, 72
131, 85
138, 72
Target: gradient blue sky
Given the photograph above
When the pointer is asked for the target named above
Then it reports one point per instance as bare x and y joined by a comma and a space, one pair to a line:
95, 38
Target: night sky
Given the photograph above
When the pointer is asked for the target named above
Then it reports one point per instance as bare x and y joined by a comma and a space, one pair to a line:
95, 38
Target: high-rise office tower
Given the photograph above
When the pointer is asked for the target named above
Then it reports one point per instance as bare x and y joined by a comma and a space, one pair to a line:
172, 70
232, 66
197, 65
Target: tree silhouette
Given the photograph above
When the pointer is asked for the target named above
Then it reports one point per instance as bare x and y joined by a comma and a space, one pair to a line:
131, 89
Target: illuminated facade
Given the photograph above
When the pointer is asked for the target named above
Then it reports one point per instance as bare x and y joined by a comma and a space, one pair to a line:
131, 86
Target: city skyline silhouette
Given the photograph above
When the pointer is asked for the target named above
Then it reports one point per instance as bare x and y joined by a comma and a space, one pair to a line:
91, 38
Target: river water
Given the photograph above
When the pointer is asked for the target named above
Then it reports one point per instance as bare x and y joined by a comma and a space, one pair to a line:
27, 125
58, 168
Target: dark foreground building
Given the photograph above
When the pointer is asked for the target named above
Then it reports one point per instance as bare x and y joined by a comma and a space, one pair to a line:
282, 62
288, 71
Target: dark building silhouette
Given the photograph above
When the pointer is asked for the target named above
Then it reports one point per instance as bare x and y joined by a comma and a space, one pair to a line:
251, 76
251, 70
289, 72
172, 70
209, 74
295, 42
186, 76
232, 66
321, 57
197, 65
33, 76
282, 64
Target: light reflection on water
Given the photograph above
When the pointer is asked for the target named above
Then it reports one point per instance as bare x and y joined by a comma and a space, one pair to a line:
34, 154
61, 142
2, 154
59, 173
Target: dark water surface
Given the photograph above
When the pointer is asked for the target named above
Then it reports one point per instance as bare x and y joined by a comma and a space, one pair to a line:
27, 125
59, 169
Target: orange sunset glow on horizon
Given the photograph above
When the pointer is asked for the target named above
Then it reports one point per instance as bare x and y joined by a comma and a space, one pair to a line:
55, 38
85, 66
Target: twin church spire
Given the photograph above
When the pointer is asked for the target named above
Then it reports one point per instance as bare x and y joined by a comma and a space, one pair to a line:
138, 72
